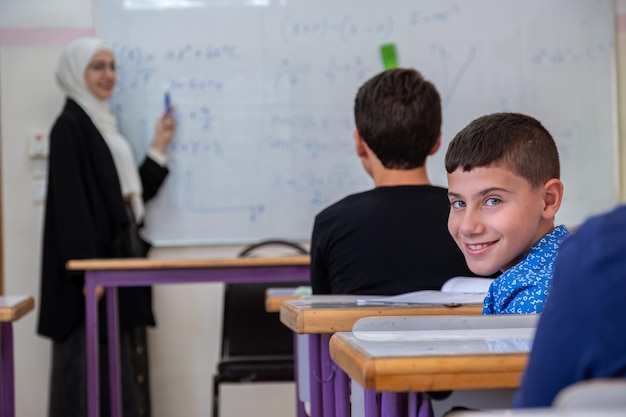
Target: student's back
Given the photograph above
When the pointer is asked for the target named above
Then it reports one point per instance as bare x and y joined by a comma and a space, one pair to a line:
393, 238
361, 251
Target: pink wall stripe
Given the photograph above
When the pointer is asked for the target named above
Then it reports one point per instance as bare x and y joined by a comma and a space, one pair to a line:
41, 36
620, 23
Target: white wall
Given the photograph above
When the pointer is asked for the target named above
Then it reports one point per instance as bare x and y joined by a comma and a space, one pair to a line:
184, 346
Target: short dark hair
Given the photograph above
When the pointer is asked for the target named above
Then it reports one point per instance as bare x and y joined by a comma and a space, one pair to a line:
514, 141
398, 115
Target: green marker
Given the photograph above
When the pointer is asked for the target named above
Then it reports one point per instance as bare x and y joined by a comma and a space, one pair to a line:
389, 55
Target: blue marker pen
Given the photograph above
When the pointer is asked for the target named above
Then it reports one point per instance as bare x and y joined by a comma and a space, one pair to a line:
167, 102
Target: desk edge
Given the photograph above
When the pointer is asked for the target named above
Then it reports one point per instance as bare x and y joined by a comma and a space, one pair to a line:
18, 310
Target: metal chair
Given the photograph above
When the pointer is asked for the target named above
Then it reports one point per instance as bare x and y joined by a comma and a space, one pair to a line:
256, 346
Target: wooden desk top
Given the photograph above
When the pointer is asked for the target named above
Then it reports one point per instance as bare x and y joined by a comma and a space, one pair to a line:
431, 365
134, 263
338, 313
274, 297
13, 307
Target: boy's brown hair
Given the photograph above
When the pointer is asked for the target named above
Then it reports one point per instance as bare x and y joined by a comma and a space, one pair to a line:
513, 141
398, 115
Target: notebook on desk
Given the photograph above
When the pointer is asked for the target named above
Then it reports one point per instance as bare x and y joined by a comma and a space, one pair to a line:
454, 292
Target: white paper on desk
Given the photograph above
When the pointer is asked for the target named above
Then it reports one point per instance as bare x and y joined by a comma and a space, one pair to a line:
455, 291
443, 335
337, 298
427, 297
467, 284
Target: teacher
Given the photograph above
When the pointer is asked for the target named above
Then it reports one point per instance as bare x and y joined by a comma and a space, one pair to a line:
94, 209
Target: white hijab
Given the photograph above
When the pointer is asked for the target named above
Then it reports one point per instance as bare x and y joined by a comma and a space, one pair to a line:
70, 76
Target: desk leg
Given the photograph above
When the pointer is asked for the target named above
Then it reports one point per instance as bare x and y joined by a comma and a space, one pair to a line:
391, 404
357, 400
371, 404
315, 375
114, 352
8, 372
300, 412
422, 404
91, 324
342, 393
328, 376
413, 404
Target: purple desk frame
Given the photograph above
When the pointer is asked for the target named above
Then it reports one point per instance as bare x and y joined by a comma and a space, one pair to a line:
113, 278
375, 364
12, 308
330, 389
392, 404
8, 372
330, 385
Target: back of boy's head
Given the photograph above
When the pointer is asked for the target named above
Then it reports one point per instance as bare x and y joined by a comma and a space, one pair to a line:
398, 115
513, 141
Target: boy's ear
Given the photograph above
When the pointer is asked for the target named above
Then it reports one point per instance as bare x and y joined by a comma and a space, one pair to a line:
359, 144
552, 197
436, 146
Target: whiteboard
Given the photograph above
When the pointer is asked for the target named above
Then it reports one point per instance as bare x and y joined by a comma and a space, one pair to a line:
264, 89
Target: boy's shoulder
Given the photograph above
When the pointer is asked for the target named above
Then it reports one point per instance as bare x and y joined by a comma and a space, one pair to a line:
532, 276
380, 196
540, 257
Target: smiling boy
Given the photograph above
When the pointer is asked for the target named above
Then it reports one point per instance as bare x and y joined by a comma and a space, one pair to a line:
504, 191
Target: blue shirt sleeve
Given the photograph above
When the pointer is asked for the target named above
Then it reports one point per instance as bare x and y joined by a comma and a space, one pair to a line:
526, 300
523, 288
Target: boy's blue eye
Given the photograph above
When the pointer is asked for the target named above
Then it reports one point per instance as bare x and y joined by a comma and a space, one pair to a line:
457, 204
492, 201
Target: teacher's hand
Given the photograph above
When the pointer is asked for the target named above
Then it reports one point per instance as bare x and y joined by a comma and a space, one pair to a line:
164, 131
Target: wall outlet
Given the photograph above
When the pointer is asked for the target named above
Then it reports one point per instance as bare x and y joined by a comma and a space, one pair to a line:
38, 144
